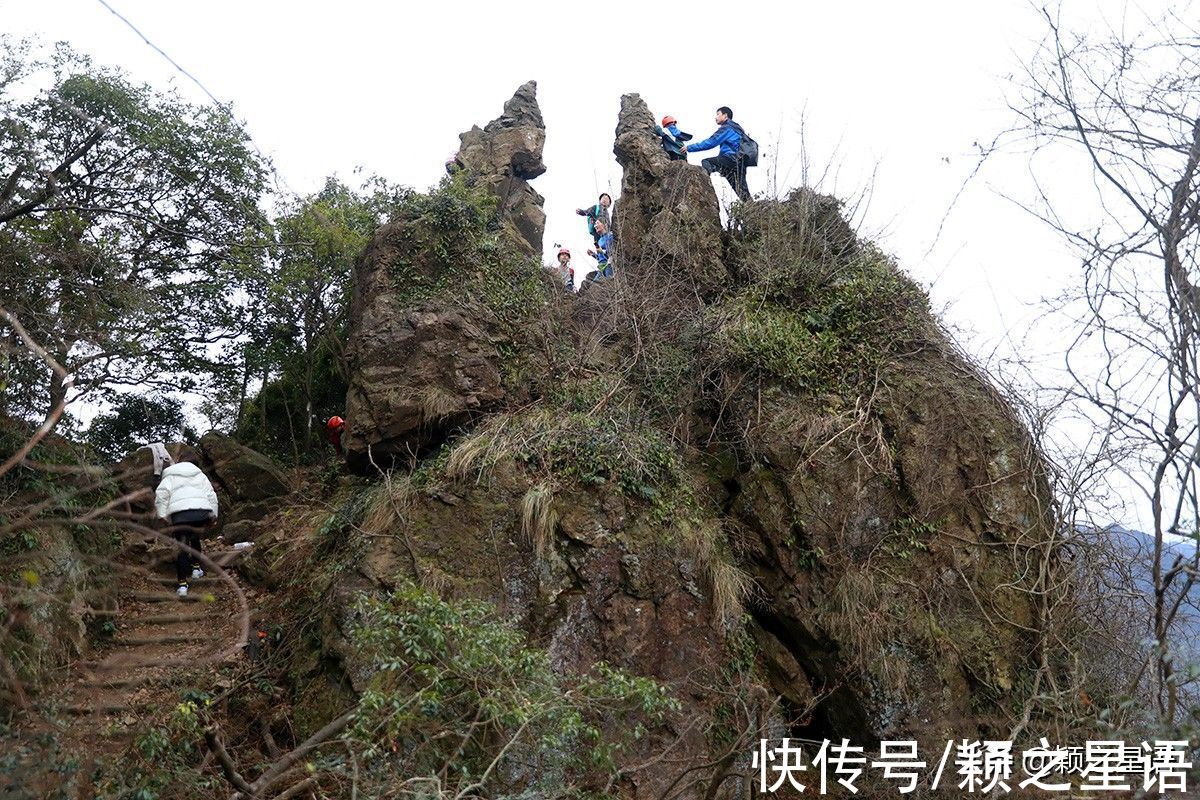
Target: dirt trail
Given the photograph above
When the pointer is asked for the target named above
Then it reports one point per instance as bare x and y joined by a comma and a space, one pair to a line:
160, 645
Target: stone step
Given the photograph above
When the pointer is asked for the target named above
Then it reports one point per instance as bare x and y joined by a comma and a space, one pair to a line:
115, 667
83, 708
166, 563
119, 663
162, 638
128, 680
170, 580
163, 597
167, 619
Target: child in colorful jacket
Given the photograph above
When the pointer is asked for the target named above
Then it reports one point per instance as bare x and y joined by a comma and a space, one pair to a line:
596, 213
672, 138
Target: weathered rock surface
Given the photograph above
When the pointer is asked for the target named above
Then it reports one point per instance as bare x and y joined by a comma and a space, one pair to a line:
421, 369
667, 223
419, 373
506, 154
887, 524
247, 476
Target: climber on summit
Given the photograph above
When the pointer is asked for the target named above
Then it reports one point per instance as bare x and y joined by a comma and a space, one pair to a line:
672, 138
595, 213
729, 161
566, 273
603, 251
186, 499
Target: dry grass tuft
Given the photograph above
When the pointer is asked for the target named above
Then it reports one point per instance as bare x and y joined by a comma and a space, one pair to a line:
729, 585
539, 518
861, 615
390, 503
470, 456
436, 402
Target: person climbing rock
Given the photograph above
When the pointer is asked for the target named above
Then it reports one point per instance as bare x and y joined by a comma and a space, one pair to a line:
186, 499
566, 272
672, 138
603, 251
595, 213
728, 161
334, 429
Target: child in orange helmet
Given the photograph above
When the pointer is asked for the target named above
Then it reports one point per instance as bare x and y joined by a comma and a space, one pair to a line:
672, 138
564, 269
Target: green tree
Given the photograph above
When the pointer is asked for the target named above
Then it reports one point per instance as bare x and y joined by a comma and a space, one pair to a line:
137, 420
129, 220
296, 345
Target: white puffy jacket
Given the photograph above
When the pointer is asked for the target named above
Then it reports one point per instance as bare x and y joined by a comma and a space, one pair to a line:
184, 488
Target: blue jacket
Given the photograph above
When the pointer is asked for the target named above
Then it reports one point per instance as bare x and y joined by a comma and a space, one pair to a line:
728, 138
603, 246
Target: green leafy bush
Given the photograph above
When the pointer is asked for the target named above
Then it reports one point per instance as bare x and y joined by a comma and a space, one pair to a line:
452, 241
836, 337
457, 693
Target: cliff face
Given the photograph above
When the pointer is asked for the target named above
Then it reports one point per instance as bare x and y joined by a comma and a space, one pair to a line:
425, 342
752, 467
506, 154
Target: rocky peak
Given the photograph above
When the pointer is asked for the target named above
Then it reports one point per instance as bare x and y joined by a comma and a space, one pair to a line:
667, 223
424, 363
520, 110
505, 155
867, 491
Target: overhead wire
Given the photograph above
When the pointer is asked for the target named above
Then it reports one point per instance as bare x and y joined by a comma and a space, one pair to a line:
280, 184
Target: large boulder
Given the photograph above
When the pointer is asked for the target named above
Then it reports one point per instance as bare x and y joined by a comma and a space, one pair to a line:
667, 225
433, 308
249, 480
419, 373
505, 155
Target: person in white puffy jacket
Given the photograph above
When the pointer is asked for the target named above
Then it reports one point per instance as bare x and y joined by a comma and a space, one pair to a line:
186, 499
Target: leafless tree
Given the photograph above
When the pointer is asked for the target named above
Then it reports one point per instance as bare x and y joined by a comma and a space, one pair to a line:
1120, 110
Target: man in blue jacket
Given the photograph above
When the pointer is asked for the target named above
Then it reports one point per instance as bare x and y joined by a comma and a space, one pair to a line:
727, 162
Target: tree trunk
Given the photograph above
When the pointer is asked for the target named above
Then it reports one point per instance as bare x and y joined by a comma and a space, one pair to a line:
57, 389
241, 406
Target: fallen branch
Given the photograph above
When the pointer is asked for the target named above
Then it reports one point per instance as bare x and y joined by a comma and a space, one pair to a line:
276, 770
298, 789
227, 766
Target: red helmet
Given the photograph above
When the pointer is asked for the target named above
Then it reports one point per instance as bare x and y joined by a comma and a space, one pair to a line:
335, 423
668, 120
562, 250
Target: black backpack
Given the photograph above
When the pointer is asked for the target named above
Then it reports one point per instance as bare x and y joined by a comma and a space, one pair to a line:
748, 149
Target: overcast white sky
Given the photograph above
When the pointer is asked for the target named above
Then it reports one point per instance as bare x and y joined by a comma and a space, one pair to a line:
899, 90
903, 87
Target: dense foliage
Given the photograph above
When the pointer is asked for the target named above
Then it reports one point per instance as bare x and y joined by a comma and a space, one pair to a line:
296, 326
129, 218
458, 699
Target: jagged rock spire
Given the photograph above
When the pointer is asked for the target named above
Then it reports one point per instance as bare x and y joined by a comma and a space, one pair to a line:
506, 154
520, 110
667, 223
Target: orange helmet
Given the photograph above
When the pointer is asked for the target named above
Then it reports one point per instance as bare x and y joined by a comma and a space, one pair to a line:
335, 423
668, 120
562, 250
